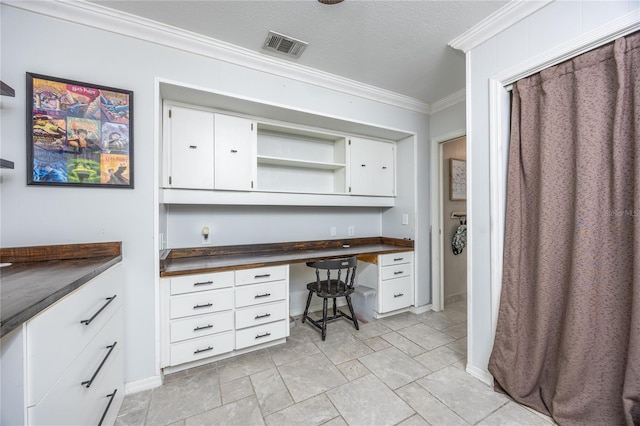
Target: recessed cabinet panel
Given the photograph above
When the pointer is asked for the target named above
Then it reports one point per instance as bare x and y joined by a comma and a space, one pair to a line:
235, 147
190, 142
372, 167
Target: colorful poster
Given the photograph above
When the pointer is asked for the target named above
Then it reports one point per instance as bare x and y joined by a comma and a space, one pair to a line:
81, 133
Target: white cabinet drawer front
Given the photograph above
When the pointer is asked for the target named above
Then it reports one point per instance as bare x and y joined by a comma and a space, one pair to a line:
203, 302
56, 337
396, 294
260, 293
391, 272
194, 349
70, 402
261, 334
201, 282
200, 326
261, 314
261, 275
396, 258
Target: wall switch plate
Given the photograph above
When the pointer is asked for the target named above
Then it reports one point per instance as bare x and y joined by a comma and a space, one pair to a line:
351, 230
405, 219
332, 232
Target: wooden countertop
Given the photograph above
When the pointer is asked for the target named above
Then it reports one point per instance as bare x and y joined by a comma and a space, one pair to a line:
224, 258
41, 275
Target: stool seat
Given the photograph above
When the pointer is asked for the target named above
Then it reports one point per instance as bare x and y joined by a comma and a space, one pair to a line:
334, 278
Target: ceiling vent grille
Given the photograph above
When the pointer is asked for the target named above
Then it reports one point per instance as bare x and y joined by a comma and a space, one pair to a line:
284, 44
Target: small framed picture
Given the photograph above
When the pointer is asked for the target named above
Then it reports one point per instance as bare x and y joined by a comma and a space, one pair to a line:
457, 180
78, 134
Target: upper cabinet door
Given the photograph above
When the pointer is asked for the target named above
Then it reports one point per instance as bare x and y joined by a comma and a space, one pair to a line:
189, 151
372, 167
235, 153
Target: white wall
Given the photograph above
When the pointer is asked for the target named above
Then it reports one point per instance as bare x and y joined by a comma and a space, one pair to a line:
47, 215
557, 23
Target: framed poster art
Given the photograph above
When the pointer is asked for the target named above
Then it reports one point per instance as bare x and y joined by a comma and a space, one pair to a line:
457, 180
78, 134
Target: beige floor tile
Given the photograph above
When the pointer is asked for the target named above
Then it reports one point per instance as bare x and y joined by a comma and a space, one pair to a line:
414, 420
404, 344
377, 343
459, 345
184, 397
134, 409
514, 414
372, 329
467, 396
292, 351
244, 365
436, 320
439, 358
353, 369
236, 389
457, 331
396, 322
313, 411
345, 350
310, 376
271, 392
394, 367
425, 336
367, 401
338, 421
239, 413
432, 410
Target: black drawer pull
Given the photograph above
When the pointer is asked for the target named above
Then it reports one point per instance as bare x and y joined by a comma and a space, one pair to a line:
398, 259
87, 383
263, 316
204, 327
363, 165
262, 295
263, 335
203, 283
109, 300
398, 272
208, 348
384, 167
398, 295
193, 146
233, 151
206, 305
262, 276
111, 396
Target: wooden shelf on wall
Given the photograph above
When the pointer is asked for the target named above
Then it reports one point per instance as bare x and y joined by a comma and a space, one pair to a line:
6, 90
6, 164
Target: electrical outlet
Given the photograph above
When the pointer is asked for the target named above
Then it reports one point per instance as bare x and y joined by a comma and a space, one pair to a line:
332, 231
351, 230
405, 219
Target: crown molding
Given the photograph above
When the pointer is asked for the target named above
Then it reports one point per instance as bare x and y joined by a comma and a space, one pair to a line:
449, 101
92, 15
508, 15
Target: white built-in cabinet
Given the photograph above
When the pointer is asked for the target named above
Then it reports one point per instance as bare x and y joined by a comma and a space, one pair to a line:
205, 150
211, 316
216, 151
65, 366
372, 167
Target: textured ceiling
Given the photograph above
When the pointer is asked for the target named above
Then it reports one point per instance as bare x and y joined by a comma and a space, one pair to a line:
400, 46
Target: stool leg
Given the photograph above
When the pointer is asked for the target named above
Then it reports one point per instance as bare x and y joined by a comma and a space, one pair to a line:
334, 307
324, 318
353, 314
306, 309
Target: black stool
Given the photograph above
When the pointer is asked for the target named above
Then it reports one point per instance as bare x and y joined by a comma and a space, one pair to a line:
334, 278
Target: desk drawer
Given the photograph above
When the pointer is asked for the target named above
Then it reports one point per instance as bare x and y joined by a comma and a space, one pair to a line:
204, 347
397, 271
262, 334
56, 336
200, 326
202, 302
396, 258
201, 282
396, 294
260, 293
261, 275
261, 314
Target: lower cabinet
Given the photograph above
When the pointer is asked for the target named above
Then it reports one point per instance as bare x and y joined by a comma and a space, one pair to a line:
213, 316
71, 357
395, 285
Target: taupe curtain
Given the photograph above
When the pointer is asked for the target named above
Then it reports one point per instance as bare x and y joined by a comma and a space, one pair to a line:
568, 336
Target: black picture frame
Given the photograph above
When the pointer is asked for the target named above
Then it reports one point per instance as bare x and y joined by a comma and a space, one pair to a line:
78, 134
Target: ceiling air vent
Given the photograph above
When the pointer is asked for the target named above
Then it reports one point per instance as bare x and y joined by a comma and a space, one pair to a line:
284, 44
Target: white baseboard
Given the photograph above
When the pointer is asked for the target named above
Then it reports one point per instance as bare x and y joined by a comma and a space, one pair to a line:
142, 385
421, 309
482, 375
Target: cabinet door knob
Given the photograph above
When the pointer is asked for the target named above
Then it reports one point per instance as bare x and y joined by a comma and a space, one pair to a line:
363, 165
384, 167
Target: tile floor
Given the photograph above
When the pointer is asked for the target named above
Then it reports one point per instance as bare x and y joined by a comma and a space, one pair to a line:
402, 370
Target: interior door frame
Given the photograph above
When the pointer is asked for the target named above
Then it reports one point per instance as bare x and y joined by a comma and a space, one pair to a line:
437, 219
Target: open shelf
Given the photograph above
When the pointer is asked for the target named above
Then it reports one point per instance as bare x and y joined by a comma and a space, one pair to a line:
304, 164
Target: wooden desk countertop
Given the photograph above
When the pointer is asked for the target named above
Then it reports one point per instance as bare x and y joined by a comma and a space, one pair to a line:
186, 261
